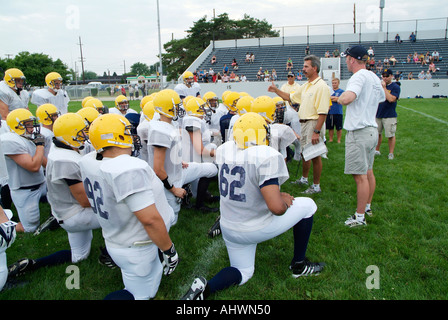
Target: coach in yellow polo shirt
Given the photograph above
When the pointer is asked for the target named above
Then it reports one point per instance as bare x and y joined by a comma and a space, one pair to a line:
314, 100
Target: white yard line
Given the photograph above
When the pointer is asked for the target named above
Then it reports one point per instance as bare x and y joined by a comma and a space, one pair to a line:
426, 115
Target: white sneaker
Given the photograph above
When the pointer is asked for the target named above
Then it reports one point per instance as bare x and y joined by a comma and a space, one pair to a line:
390, 156
369, 212
312, 190
377, 153
352, 221
301, 182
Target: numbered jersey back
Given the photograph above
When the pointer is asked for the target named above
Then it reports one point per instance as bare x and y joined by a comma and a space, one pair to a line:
241, 174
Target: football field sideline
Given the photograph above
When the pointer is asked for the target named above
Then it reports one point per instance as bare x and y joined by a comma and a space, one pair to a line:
424, 114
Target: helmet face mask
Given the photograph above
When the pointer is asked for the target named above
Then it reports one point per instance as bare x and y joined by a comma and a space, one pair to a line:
211, 99
47, 114
279, 115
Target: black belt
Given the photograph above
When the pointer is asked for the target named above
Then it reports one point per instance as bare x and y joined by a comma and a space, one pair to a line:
32, 188
305, 120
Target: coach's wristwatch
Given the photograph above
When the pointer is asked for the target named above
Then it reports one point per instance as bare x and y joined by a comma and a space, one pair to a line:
316, 131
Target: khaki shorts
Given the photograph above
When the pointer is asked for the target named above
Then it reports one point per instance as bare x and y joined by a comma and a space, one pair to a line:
360, 150
389, 125
307, 130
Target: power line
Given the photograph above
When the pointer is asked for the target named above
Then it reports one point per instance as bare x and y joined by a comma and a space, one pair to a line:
82, 60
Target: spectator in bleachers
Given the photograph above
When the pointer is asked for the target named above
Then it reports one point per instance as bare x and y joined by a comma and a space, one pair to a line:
247, 57
336, 53
371, 64
300, 75
435, 55
422, 59
273, 75
225, 69
370, 52
412, 37
428, 75
213, 60
234, 64
427, 58
260, 74
266, 75
327, 54
243, 78
289, 64
386, 62
232, 76
410, 76
393, 60
379, 67
432, 67
398, 39
398, 75
409, 58
421, 75
252, 57
415, 58
307, 50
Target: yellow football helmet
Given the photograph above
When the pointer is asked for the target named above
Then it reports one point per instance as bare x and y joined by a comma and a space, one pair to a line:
250, 130
21, 121
244, 104
54, 81
148, 110
88, 115
168, 103
96, 104
47, 114
70, 129
83, 102
265, 106
230, 100
188, 78
12, 77
146, 99
195, 107
111, 130
122, 103
224, 94
211, 99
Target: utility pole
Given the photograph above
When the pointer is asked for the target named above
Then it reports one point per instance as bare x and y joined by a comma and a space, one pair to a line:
82, 61
382, 4
354, 17
160, 48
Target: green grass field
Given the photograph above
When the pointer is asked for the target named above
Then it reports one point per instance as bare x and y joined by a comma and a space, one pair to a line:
405, 240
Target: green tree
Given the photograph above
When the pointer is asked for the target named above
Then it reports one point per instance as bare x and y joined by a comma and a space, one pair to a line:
181, 53
140, 69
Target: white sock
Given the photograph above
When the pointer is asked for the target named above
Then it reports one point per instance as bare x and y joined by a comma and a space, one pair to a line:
316, 186
359, 216
304, 178
368, 206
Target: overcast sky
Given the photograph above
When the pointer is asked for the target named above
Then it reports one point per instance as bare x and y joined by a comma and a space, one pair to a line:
115, 34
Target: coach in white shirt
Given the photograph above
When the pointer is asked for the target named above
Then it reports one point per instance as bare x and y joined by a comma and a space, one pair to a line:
362, 96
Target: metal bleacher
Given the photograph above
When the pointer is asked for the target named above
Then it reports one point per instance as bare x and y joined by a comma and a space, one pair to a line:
275, 57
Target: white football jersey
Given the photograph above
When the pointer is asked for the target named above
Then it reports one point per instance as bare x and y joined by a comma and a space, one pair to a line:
11, 99
184, 91
48, 134
241, 174
62, 164
13, 144
118, 187
281, 137
142, 132
60, 99
167, 135
116, 111
194, 123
